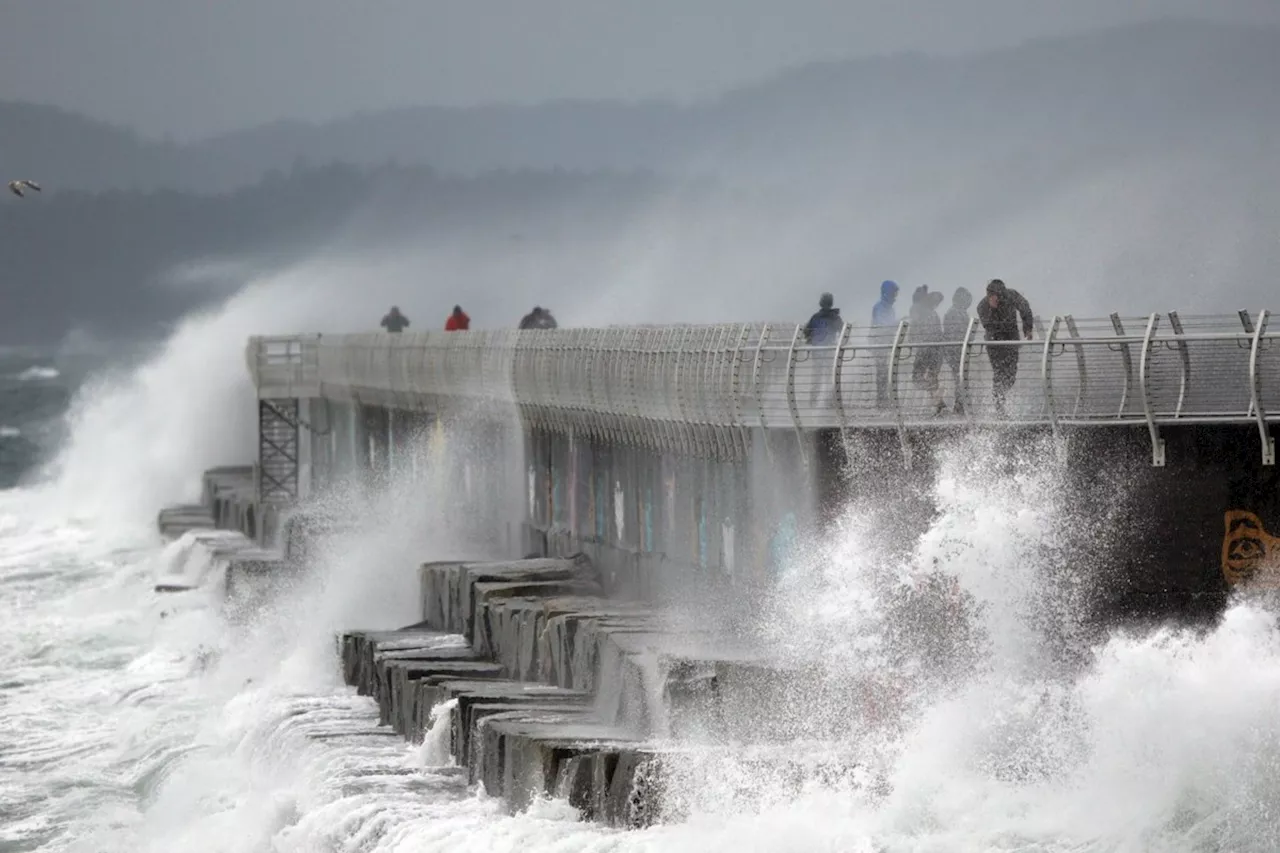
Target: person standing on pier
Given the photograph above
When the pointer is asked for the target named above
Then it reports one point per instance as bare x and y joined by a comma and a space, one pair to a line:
883, 319
999, 314
538, 318
458, 321
823, 330
394, 321
955, 325
824, 327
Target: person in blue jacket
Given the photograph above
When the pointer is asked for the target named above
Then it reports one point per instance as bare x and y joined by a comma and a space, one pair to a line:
883, 321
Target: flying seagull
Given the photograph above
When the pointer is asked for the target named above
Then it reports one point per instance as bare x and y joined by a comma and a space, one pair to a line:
16, 187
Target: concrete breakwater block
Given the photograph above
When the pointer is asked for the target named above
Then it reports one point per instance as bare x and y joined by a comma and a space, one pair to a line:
305, 533
228, 492
174, 521
399, 707
569, 648
447, 587
361, 650
474, 695
253, 576
187, 562
509, 620
517, 753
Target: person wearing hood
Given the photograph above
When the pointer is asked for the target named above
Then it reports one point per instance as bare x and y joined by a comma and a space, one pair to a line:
538, 318
824, 327
458, 321
924, 332
955, 325
394, 321
883, 320
1000, 313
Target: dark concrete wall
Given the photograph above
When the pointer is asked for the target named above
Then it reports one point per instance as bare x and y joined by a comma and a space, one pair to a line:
1149, 539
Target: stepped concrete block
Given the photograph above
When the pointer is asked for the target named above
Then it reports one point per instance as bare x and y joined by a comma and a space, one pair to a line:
254, 576
470, 693
361, 650
176, 520
517, 754
446, 587
510, 620
569, 648
399, 664
397, 709
501, 608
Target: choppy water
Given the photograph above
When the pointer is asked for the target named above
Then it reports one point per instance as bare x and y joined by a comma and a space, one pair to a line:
132, 721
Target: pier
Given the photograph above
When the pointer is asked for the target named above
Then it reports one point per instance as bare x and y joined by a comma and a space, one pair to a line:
602, 471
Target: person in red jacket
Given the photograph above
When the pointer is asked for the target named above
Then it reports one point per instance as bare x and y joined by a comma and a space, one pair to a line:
458, 321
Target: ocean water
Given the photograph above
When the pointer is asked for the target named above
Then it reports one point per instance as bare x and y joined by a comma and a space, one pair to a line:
132, 721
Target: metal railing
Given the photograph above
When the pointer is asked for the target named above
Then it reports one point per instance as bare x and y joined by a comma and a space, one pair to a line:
697, 389
284, 366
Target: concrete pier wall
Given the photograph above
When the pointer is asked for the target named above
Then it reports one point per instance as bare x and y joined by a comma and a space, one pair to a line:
650, 519
656, 522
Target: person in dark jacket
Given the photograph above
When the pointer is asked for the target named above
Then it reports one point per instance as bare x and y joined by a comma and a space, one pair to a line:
538, 318
955, 325
925, 327
1000, 313
823, 328
458, 321
394, 321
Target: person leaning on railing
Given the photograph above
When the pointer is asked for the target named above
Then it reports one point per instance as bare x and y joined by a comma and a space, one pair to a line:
999, 314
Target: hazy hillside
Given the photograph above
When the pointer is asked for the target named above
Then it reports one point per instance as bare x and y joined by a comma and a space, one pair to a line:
117, 264
1132, 87
1132, 170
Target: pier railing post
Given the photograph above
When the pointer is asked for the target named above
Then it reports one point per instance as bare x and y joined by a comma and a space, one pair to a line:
1175, 323
894, 353
966, 351
1157, 443
1255, 390
1127, 359
791, 393
1046, 374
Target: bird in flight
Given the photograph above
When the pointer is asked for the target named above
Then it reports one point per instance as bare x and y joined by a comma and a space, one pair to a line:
16, 187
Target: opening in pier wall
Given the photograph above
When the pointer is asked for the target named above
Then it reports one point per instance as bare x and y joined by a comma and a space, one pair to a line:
1153, 542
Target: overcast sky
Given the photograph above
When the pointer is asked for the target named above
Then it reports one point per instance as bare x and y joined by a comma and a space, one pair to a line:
194, 67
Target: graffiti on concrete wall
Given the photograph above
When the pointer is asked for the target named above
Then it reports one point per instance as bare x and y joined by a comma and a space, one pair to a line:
1250, 554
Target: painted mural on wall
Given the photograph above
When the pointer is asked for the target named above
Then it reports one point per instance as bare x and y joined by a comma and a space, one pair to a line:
1250, 555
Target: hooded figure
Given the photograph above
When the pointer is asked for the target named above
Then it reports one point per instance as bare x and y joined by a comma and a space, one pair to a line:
883, 320
394, 321
824, 327
925, 330
458, 321
882, 314
1000, 313
538, 318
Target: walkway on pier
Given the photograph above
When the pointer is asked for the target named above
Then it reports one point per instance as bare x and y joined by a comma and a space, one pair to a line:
699, 389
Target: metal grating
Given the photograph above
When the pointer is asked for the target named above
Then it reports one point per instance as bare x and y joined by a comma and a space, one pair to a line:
277, 451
